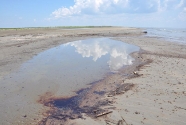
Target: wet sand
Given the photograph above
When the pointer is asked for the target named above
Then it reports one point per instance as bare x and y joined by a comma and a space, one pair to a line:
151, 91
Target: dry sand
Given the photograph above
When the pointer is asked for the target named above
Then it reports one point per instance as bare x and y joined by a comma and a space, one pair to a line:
155, 94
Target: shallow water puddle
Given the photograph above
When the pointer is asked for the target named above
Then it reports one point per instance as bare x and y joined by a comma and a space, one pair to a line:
73, 65
63, 70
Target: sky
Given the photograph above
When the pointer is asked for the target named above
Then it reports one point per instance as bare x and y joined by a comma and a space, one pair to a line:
128, 13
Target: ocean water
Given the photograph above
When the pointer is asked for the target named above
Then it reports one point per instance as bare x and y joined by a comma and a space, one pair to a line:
169, 34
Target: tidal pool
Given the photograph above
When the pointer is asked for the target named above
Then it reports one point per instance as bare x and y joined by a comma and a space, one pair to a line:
62, 70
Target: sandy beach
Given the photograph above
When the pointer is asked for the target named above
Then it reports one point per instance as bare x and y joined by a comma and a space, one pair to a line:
151, 91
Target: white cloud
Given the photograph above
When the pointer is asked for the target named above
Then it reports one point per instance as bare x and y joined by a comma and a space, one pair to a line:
170, 4
91, 7
182, 15
141, 13
181, 4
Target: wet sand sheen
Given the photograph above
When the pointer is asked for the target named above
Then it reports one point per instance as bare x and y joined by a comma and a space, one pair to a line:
60, 72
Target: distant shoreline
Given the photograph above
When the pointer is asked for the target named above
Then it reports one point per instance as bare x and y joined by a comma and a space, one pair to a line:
63, 27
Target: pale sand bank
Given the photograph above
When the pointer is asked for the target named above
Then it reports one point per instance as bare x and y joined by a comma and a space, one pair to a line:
158, 96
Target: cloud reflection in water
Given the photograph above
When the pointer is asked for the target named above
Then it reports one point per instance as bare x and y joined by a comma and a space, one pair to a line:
99, 47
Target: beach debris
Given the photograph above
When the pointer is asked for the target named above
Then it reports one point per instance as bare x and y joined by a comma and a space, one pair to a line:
144, 31
180, 107
137, 112
135, 73
124, 120
121, 89
103, 113
120, 122
25, 116
110, 121
95, 111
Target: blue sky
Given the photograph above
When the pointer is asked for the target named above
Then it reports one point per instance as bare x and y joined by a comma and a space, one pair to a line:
131, 13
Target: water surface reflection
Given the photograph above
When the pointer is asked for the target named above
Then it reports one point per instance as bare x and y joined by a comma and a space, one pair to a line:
97, 48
